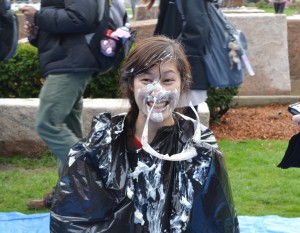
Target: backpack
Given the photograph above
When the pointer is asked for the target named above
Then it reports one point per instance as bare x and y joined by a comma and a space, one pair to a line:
226, 56
112, 18
9, 31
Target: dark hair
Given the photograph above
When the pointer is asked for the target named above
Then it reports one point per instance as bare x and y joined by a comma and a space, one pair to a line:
147, 54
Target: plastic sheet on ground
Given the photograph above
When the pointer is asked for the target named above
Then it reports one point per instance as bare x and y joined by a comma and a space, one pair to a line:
15, 222
269, 224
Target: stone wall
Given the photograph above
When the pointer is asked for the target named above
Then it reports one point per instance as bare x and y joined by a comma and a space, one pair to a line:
294, 51
233, 3
267, 46
142, 14
274, 50
268, 52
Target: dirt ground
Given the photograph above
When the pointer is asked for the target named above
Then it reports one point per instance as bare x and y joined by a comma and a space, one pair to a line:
263, 122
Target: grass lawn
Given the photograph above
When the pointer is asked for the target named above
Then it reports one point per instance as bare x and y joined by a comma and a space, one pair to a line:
287, 11
30, 178
259, 187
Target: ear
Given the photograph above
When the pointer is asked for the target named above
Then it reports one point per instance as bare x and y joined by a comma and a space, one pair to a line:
182, 83
131, 86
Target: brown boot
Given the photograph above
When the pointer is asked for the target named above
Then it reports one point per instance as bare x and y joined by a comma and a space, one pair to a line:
39, 204
36, 204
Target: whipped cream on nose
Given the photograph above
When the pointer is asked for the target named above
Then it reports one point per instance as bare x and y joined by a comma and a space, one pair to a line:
155, 89
157, 101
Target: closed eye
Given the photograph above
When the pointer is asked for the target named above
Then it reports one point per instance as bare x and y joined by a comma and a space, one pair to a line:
169, 80
146, 80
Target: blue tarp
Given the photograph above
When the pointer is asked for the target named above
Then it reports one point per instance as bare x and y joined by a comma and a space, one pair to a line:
15, 222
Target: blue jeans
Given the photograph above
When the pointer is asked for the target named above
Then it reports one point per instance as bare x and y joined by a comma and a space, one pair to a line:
279, 8
133, 6
59, 119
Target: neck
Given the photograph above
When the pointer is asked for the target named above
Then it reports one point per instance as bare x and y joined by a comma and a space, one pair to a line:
153, 127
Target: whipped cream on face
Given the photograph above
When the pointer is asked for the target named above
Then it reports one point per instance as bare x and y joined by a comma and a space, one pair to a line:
164, 103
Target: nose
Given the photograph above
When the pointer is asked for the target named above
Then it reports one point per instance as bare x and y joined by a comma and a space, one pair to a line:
156, 89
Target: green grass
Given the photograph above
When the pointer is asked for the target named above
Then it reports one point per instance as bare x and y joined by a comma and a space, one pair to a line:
45, 159
18, 186
287, 11
259, 187
29, 178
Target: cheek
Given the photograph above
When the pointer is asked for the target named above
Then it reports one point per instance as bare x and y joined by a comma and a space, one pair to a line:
140, 95
174, 98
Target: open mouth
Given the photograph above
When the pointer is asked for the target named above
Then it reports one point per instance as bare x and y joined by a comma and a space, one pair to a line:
159, 105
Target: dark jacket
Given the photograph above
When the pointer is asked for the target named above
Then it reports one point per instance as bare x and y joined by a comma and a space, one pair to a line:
107, 188
193, 33
8, 31
61, 40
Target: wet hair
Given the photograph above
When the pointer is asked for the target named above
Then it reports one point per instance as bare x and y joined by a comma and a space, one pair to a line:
149, 53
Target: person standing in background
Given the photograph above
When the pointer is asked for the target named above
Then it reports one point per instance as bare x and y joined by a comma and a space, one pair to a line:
192, 30
58, 31
133, 6
279, 6
9, 31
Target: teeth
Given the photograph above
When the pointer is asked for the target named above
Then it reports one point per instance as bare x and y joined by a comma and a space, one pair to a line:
158, 105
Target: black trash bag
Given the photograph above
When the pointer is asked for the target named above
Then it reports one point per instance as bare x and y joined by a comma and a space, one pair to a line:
292, 154
8, 31
101, 189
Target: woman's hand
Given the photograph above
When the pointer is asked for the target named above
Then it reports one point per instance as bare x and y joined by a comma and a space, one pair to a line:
296, 119
29, 13
30, 30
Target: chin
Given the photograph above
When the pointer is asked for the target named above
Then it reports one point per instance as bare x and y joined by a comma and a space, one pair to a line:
156, 119
160, 118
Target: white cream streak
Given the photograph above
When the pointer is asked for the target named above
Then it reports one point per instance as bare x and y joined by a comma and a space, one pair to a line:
187, 153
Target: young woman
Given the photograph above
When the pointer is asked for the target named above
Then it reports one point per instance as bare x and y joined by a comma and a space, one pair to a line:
151, 170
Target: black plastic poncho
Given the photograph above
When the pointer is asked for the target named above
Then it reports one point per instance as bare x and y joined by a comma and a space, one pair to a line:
106, 188
291, 157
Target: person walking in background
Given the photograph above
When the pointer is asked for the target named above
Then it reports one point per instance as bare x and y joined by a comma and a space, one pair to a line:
58, 31
9, 31
151, 169
133, 6
279, 6
192, 30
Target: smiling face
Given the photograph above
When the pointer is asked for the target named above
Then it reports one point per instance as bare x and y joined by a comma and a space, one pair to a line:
158, 89
156, 71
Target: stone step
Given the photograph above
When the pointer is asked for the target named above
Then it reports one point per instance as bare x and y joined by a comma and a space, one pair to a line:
18, 136
250, 101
